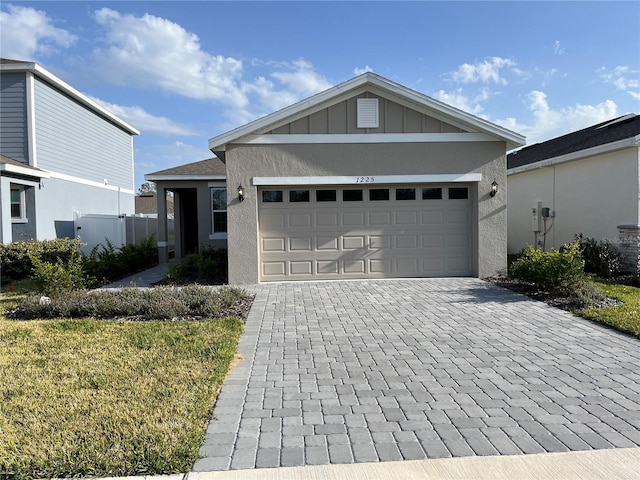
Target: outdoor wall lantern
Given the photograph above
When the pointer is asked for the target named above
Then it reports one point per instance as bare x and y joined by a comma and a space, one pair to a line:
240, 193
494, 188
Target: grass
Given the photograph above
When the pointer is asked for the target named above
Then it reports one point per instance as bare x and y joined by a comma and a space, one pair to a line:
624, 317
108, 398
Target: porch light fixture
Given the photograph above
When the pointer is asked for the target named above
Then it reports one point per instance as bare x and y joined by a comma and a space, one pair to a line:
240, 193
494, 188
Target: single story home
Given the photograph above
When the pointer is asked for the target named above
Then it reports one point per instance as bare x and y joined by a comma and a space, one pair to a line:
368, 179
585, 182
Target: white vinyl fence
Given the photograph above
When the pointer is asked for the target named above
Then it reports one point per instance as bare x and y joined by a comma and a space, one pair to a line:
93, 229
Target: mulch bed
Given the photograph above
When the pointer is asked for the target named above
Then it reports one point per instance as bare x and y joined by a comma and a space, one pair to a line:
569, 304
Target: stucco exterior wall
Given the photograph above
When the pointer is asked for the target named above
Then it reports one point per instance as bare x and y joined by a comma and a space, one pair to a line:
591, 196
247, 161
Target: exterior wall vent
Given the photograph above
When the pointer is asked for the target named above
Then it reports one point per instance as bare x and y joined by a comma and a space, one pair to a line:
368, 116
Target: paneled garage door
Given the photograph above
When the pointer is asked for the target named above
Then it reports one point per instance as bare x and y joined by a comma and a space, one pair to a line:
377, 231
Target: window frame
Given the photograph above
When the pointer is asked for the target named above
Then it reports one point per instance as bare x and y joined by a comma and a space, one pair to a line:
22, 203
217, 234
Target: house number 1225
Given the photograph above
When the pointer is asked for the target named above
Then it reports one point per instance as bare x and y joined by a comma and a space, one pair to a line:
365, 179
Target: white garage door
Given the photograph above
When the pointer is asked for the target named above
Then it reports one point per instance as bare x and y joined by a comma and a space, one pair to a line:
377, 231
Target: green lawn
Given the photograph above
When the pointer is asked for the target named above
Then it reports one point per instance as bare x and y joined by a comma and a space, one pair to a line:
625, 317
104, 398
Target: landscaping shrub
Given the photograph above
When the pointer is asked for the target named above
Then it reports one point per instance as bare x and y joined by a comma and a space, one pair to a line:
59, 277
559, 272
16, 257
600, 257
106, 263
160, 303
208, 266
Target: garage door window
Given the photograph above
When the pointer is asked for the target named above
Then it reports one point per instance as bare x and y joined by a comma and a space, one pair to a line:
296, 196
272, 196
379, 194
325, 196
352, 195
405, 193
458, 193
431, 193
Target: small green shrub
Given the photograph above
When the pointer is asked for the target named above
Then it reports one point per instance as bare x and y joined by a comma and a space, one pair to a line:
59, 277
600, 257
16, 257
208, 266
160, 303
558, 272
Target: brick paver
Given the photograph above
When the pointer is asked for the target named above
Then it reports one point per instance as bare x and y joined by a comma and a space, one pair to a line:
376, 370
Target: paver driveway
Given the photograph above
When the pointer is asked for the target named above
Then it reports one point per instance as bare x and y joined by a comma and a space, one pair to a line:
360, 371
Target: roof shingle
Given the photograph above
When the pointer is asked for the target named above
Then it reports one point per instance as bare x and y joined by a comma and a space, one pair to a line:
619, 128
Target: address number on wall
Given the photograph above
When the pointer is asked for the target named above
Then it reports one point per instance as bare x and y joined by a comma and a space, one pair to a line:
365, 179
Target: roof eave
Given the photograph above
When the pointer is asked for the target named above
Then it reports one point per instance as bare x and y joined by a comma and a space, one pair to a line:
588, 152
187, 176
69, 90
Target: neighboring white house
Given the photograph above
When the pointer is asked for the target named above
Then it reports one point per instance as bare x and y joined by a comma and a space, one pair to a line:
583, 182
61, 153
368, 179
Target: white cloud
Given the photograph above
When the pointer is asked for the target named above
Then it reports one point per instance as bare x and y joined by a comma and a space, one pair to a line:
550, 123
623, 78
486, 71
150, 51
26, 32
557, 49
459, 100
144, 121
360, 71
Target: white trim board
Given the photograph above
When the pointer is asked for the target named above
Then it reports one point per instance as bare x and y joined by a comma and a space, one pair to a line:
368, 179
70, 178
367, 138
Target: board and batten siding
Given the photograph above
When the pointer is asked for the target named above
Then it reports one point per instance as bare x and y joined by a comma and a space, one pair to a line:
73, 140
341, 118
14, 141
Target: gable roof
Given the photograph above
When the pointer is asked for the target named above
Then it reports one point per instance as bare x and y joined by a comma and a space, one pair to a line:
626, 127
208, 169
368, 80
8, 65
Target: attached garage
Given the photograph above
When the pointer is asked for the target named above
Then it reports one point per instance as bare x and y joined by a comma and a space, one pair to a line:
368, 179
356, 231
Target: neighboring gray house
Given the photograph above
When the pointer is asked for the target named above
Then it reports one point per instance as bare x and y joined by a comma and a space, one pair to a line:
583, 182
60, 153
368, 179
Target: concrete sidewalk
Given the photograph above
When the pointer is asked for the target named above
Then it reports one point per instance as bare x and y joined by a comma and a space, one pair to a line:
143, 279
611, 464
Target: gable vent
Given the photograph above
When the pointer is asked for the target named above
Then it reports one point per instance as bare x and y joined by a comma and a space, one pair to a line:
368, 113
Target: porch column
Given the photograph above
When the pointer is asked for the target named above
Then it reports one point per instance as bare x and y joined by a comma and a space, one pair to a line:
163, 235
629, 247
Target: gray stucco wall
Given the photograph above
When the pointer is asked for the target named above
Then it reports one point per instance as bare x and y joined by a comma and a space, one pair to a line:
244, 162
13, 117
72, 140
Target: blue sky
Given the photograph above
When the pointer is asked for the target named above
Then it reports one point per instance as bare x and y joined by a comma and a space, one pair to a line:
183, 72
